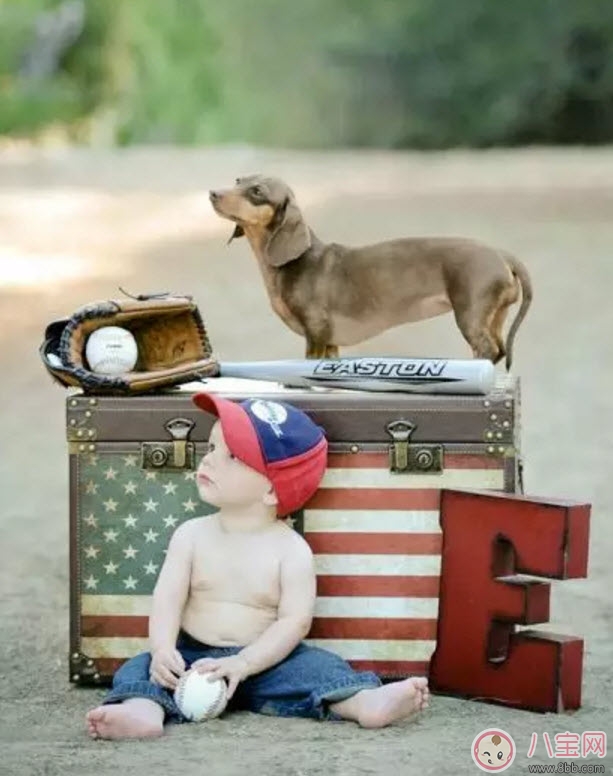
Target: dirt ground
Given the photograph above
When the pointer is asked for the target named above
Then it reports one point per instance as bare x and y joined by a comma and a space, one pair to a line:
75, 225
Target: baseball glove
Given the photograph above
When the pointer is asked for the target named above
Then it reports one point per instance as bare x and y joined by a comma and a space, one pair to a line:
173, 346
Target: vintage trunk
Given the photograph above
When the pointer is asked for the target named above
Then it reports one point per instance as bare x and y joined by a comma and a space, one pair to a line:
373, 526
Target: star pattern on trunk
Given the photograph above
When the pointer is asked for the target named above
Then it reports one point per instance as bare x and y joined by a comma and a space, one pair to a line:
123, 531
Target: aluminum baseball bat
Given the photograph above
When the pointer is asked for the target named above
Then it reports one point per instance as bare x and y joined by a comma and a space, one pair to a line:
369, 373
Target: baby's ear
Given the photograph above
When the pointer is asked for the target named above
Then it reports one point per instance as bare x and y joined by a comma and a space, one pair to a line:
270, 498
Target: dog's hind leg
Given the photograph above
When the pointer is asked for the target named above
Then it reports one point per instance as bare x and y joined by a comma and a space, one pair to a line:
496, 328
478, 334
485, 346
480, 313
331, 351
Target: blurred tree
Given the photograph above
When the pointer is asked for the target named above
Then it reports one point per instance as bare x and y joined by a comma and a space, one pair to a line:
165, 71
391, 73
52, 67
482, 73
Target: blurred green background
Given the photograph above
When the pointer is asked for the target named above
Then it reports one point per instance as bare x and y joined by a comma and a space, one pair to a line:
316, 73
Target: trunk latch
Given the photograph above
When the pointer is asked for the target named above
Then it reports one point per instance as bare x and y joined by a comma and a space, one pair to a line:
412, 458
175, 455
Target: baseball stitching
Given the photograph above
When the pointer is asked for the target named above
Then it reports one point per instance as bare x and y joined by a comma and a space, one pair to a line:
215, 709
217, 706
181, 692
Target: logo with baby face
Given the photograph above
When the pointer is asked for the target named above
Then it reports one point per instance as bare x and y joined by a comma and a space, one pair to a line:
493, 750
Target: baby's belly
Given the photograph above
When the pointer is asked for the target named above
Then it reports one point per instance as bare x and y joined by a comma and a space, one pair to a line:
224, 623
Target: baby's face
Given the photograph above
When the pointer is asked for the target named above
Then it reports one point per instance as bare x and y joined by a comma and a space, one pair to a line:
223, 480
493, 751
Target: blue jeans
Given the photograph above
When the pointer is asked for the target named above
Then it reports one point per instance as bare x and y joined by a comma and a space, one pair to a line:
302, 685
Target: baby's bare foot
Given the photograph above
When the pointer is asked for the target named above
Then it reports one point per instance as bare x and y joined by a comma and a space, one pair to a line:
392, 702
134, 718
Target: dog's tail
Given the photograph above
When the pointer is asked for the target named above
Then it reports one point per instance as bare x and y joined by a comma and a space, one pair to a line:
521, 274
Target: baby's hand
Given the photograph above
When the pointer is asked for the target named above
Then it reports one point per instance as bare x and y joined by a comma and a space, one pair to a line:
234, 669
166, 666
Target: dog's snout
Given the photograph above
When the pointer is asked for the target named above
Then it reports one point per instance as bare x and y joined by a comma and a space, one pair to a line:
214, 196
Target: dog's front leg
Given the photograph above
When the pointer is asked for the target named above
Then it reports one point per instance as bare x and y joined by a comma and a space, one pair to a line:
316, 349
331, 351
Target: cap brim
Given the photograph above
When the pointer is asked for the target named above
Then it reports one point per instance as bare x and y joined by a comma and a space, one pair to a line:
238, 431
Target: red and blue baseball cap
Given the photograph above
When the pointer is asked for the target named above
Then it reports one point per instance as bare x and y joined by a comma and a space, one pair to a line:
277, 440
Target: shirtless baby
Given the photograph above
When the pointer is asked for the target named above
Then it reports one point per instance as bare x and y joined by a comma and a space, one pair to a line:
236, 593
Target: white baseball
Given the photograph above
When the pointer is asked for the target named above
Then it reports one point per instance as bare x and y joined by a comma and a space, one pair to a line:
199, 699
111, 350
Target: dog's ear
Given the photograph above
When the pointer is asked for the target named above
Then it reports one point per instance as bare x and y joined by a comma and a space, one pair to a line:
290, 235
238, 232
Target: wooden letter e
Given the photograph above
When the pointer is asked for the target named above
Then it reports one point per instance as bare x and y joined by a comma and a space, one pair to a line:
490, 541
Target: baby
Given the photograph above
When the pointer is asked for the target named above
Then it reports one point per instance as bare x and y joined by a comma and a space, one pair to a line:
236, 593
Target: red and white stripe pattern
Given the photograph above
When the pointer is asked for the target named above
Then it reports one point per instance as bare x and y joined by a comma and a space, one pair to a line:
377, 545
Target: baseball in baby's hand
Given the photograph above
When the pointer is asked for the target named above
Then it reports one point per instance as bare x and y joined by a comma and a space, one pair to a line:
200, 698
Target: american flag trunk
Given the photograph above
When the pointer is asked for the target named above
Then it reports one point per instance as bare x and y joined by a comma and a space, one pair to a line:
373, 525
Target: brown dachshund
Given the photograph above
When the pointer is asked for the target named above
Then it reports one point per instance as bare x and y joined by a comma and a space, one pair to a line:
337, 295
